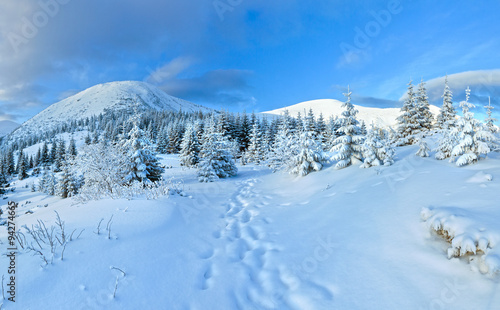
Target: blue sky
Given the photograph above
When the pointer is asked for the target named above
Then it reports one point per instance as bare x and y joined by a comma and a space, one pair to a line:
241, 54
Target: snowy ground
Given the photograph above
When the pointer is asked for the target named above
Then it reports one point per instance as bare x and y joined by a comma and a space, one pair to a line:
335, 239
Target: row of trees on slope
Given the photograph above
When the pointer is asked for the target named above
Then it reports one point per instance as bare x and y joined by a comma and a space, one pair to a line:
463, 139
121, 148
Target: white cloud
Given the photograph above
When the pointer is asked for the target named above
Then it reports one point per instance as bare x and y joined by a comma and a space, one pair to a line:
481, 82
171, 70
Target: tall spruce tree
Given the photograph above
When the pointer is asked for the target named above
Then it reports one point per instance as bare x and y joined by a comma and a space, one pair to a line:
350, 144
425, 117
472, 137
143, 165
216, 160
190, 147
254, 153
447, 114
490, 120
408, 122
308, 155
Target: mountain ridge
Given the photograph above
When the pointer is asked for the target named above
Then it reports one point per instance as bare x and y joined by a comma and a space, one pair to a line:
382, 117
115, 96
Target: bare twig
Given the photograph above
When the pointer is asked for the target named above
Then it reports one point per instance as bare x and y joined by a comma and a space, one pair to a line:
99, 227
62, 252
109, 222
38, 252
71, 236
80, 233
109, 231
3, 294
60, 223
117, 278
116, 268
116, 286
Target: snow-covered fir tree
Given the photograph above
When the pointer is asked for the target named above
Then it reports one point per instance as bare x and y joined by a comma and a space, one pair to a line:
44, 157
282, 149
59, 156
22, 166
47, 184
408, 122
321, 129
88, 139
72, 147
370, 148
387, 152
308, 155
472, 136
254, 153
143, 165
3, 181
447, 114
190, 147
162, 145
377, 149
216, 159
490, 120
445, 144
424, 117
424, 149
66, 185
349, 145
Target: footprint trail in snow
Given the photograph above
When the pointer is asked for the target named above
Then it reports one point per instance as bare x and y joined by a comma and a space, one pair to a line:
247, 248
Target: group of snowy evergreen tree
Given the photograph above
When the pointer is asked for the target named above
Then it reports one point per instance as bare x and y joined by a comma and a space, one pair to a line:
464, 139
298, 145
120, 147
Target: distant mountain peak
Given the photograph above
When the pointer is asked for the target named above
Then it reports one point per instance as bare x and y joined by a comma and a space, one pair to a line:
112, 96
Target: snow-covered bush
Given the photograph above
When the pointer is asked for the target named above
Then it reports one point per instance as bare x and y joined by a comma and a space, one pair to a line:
423, 150
104, 168
458, 229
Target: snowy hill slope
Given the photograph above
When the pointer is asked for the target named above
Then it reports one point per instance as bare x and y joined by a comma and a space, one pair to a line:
101, 98
331, 107
7, 127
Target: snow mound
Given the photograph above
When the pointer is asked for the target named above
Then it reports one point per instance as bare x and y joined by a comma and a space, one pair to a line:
460, 229
382, 117
480, 177
113, 96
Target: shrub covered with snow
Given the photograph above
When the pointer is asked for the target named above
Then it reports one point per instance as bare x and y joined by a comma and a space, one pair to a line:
467, 237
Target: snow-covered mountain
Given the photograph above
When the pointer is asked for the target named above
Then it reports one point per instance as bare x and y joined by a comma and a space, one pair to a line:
105, 97
7, 127
382, 117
